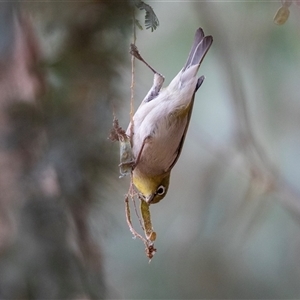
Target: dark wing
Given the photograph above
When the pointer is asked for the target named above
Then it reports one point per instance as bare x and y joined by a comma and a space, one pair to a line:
198, 51
179, 149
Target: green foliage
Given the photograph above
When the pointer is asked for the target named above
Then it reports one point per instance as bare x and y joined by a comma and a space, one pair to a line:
151, 20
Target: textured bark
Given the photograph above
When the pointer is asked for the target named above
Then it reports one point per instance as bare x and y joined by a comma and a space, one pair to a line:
51, 152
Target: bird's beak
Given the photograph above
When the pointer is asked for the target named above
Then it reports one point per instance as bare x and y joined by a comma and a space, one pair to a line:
149, 198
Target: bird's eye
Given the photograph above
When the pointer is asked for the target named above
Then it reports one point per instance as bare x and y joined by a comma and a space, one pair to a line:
160, 190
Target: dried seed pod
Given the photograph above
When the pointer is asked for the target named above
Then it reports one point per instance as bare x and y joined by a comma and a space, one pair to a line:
281, 15
145, 212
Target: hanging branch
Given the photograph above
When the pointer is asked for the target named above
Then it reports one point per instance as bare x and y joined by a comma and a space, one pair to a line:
132, 78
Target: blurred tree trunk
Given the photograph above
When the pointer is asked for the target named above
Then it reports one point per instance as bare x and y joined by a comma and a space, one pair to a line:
59, 63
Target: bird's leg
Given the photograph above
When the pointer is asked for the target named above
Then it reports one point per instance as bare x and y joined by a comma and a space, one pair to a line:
135, 52
158, 78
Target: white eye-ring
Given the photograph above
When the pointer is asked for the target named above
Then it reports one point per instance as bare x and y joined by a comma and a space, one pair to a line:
160, 190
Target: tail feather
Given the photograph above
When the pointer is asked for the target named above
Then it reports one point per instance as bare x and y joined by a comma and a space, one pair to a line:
199, 35
199, 49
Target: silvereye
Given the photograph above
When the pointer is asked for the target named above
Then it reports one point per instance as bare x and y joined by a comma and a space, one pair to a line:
160, 123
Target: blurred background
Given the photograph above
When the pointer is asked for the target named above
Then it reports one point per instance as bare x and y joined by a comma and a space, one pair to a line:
229, 226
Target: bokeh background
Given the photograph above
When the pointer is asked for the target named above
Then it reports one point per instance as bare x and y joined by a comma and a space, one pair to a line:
229, 226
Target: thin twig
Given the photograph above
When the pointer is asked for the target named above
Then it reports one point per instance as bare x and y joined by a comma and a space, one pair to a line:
129, 222
132, 78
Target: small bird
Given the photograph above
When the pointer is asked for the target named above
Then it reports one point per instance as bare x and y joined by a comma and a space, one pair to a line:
161, 121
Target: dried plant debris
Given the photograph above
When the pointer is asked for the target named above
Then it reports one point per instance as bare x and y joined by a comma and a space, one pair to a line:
147, 225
